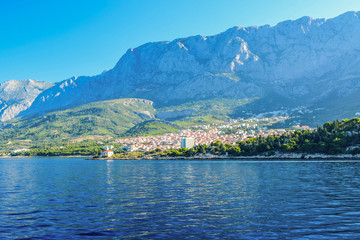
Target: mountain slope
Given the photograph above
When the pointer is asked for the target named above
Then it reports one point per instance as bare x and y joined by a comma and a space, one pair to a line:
151, 128
295, 63
98, 120
16, 96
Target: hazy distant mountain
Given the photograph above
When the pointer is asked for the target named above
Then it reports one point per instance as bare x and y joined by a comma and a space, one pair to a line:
17, 96
301, 62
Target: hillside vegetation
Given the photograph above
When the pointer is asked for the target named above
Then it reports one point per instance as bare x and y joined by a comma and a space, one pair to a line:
151, 128
104, 120
93, 121
338, 137
203, 111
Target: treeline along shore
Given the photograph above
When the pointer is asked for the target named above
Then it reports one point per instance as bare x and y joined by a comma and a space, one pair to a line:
333, 140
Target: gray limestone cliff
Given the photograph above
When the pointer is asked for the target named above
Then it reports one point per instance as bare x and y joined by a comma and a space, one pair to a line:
16, 96
303, 61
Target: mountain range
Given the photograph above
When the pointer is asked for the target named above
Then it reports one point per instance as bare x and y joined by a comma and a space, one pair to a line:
17, 96
309, 63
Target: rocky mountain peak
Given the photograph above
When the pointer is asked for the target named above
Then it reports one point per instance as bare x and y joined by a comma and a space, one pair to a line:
304, 61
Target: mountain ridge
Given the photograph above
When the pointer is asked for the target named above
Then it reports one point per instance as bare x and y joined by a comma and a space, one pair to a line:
18, 95
302, 61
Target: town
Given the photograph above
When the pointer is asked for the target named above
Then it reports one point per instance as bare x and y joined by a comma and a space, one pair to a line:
231, 131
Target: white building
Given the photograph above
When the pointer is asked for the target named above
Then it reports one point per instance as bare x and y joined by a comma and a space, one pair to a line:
106, 153
187, 142
108, 147
128, 148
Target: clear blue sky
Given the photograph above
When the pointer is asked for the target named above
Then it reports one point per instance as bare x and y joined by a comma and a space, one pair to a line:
51, 40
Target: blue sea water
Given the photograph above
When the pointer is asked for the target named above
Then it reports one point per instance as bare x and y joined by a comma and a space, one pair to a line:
72, 198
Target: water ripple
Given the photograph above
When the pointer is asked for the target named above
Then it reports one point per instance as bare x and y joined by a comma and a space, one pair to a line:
75, 199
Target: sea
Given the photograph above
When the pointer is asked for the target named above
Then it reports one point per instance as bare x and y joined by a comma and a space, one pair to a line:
75, 198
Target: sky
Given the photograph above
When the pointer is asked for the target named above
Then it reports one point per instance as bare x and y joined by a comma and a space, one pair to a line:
52, 40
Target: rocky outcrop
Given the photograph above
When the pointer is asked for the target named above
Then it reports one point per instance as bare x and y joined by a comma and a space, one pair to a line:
16, 96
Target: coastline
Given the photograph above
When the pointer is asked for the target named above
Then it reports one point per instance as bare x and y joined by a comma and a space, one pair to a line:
293, 156
287, 156
65, 156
